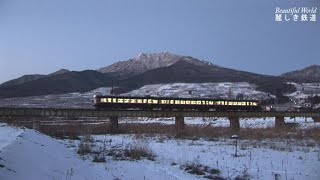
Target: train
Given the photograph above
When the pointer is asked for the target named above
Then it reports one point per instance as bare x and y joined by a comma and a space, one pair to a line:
172, 103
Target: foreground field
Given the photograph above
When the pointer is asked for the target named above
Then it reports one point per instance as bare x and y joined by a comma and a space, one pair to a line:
28, 154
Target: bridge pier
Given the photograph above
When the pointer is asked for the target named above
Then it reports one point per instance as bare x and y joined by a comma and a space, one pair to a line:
234, 123
279, 121
179, 123
316, 119
36, 123
114, 124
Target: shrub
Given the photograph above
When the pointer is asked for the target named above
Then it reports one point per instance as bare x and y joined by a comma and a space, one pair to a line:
85, 145
84, 148
99, 158
199, 169
139, 148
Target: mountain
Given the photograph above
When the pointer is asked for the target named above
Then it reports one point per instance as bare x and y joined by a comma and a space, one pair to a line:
141, 63
194, 71
56, 84
144, 69
31, 77
22, 79
311, 73
61, 71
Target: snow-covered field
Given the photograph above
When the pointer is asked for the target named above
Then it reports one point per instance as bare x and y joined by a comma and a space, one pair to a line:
27, 154
301, 122
304, 90
228, 90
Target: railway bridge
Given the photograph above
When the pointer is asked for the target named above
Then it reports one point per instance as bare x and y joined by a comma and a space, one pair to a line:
36, 114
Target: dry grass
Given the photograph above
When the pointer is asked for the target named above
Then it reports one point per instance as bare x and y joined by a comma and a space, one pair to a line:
73, 130
84, 148
189, 132
139, 149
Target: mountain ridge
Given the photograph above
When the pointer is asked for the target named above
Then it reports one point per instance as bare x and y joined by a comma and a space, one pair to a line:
308, 73
31, 77
141, 63
145, 68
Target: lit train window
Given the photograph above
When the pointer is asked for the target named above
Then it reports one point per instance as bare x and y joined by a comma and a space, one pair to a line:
132, 100
205, 102
139, 101
243, 103
126, 100
210, 102
199, 102
109, 100
144, 101
177, 102
103, 100
120, 100
183, 102
171, 102
149, 101
155, 101
193, 102
254, 103
163, 101
114, 100
230, 103
187, 102
239, 103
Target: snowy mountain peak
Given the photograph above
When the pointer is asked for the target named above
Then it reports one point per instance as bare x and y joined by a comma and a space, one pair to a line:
142, 62
147, 61
163, 56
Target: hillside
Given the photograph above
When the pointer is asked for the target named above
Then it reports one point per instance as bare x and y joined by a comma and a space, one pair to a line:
187, 72
57, 84
311, 73
22, 79
31, 77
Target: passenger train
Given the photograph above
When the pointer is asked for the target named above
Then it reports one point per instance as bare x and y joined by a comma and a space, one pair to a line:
170, 103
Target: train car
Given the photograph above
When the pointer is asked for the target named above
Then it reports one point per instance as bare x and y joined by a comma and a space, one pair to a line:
169, 103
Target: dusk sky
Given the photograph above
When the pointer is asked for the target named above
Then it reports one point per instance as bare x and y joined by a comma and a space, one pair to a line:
43, 36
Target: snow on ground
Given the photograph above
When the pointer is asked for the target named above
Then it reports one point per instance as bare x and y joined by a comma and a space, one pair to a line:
207, 90
226, 90
304, 90
32, 155
224, 122
69, 100
27, 154
172, 156
8, 134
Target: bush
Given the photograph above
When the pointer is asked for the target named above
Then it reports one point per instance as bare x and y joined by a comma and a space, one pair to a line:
85, 145
199, 169
139, 148
84, 148
99, 158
